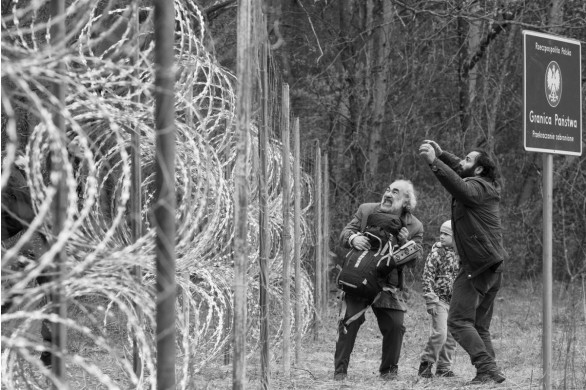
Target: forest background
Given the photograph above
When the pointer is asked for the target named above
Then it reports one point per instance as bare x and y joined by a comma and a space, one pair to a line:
370, 80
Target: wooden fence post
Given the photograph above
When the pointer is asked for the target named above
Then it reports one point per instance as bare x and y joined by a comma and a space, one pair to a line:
326, 237
318, 242
297, 237
135, 205
243, 115
59, 332
264, 233
286, 234
164, 29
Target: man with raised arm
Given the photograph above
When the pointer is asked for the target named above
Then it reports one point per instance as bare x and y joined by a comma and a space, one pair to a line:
477, 232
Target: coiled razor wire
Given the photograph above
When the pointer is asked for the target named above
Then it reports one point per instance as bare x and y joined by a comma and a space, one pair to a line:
109, 78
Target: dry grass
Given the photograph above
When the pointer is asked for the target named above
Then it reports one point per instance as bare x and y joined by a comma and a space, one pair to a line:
516, 332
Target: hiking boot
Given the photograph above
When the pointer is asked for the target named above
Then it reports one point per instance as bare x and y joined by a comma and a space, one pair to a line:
445, 373
390, 375
495, 375
340, 376
425, 369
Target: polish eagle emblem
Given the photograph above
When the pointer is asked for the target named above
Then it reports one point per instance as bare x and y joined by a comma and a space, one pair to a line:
553, 84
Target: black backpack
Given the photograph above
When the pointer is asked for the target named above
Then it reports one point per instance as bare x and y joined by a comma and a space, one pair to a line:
362, 271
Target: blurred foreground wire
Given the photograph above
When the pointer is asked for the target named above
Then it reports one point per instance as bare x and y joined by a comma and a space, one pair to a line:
108, 80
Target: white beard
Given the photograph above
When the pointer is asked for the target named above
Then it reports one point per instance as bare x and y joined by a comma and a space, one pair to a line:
394, 208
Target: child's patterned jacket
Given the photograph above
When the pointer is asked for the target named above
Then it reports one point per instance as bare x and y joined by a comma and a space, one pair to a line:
441, 267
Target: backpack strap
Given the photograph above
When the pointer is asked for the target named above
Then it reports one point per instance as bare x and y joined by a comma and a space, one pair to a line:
356, 316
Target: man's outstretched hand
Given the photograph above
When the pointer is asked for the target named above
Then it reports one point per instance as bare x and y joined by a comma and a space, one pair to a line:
427, 152
436, 147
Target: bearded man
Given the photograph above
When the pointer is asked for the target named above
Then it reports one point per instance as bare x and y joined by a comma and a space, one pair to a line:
399, 200
477, 232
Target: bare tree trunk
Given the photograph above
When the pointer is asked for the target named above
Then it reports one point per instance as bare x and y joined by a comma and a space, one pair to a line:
464, 96
342, 134
379, 18
529, 181
556, 15
493, 96
348, 58
472, 74
277, 34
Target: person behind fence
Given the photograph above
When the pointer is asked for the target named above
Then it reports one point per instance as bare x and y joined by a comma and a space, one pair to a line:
439, 272
17, 214
389, 308
477, 230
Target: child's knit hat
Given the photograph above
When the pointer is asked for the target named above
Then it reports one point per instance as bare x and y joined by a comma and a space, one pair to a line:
446, 227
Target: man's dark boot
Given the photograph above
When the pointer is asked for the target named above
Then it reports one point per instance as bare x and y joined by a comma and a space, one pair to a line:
495, 375
425, 369
391, 374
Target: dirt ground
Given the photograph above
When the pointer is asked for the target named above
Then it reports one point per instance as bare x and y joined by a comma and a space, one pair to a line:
516, 330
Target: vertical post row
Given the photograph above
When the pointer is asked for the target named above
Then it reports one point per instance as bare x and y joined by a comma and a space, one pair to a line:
164, 26
286, 234
240, 248
59, 332
318, 240
264, 234
297, 236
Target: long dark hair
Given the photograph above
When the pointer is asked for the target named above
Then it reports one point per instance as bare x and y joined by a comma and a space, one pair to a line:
489, 169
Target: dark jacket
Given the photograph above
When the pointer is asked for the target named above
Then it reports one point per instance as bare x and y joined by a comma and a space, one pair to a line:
391, 298
476, 220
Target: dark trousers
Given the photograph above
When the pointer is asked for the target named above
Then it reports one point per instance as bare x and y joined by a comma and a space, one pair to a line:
470, 316
390, 323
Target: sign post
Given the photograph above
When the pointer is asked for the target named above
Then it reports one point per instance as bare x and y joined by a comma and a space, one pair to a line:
552, 122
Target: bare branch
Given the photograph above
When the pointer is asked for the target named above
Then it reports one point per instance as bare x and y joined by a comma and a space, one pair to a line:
214, 10
495, 30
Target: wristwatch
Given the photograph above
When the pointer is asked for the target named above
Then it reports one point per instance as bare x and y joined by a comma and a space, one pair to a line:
433, 166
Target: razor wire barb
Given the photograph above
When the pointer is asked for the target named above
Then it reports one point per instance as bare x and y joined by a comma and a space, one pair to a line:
108, 97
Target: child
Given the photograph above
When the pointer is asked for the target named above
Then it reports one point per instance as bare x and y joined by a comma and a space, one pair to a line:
441, 268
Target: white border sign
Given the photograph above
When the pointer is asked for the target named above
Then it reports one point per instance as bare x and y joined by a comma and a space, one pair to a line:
552, 94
